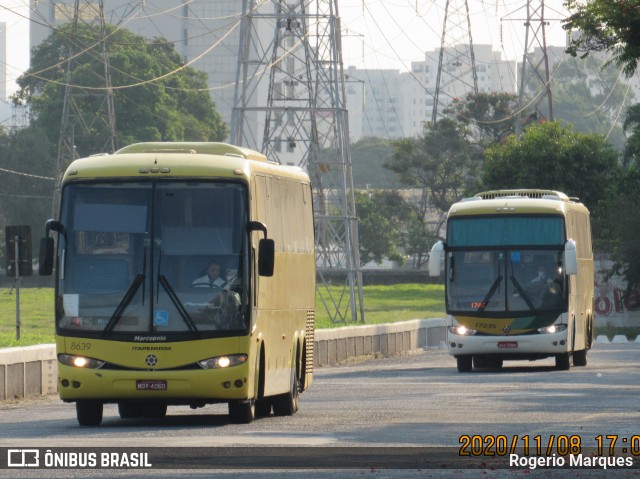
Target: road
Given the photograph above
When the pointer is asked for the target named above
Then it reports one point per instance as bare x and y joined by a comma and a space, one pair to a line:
418, 400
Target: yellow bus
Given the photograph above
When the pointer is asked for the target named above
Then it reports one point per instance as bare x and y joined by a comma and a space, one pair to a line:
184, 275
519, 284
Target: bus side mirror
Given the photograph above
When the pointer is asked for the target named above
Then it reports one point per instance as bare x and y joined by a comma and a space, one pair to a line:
266, 249
45, 256
435, 259
570, 258
46, 252
266, 257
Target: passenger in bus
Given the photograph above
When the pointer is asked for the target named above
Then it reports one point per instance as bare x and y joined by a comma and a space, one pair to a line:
211, 279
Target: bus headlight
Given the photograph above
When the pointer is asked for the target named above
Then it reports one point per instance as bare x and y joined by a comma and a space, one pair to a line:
223, 361
462, 330
554, 328
80, 361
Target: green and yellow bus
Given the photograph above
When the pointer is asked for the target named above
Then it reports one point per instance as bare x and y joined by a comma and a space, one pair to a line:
136, 324
518, 273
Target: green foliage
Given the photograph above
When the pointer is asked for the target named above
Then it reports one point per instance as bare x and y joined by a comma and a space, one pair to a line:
28, 164
368, 157
441, 164
631, 155
552, 156
156, 98
382, 216
605, 25
618, 215
491, 116
586, 95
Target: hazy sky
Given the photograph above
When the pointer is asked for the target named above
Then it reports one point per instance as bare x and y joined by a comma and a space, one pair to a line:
376, 33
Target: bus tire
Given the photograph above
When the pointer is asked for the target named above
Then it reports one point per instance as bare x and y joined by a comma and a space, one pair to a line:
465, 363
243, 411
155, 410
263, 407
489, 362
287, 404
563, 362
89, 413
580, 358
130, 410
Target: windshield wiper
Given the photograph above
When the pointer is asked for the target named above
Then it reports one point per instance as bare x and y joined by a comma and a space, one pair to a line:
490, 293
176, 301
522, 293
127, 298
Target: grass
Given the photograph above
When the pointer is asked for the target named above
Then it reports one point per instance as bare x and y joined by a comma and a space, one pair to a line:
383, 304
36, 317
389, 304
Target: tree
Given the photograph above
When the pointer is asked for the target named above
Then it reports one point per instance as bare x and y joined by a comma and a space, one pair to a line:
555, 157
631, 155
381, 218
587, 94
156, 97
441, 165
368, 156
605, 25
27, 168
618, 215
492, 116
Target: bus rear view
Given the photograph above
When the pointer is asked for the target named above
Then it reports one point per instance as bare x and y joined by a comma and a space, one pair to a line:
518, 269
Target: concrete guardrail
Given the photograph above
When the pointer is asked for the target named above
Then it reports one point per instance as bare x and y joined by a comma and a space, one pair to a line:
32, 370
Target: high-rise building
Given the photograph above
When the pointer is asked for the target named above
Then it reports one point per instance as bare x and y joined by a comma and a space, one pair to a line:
393, 104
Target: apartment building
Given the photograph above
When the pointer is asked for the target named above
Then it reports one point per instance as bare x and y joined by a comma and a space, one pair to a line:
393, 104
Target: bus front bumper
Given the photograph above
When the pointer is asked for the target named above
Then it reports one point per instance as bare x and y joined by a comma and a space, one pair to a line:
170, 386
528, 345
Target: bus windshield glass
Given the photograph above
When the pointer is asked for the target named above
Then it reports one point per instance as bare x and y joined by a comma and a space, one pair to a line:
508, 265
153, 258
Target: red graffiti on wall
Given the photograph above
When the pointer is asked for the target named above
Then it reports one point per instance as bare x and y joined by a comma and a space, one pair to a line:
616, 302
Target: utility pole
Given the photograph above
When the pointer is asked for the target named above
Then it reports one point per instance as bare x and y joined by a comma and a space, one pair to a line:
75, 121
457, 73
290, 103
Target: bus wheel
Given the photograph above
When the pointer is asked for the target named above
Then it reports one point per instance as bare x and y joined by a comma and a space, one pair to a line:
287, 404
130, 410
263, 407
563, 362
155, 410
580, 358
89, 413
242, 412
465, 363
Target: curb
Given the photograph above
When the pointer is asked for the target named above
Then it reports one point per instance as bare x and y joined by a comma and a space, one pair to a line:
32, 371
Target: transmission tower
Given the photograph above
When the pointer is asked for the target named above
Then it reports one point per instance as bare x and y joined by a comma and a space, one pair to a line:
290, 75
457, 73
75, 122
535, 36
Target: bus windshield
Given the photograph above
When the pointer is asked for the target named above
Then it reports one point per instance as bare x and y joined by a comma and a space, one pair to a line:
159, 258
508, 265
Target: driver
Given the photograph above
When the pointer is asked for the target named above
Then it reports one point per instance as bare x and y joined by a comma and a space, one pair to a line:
211, 279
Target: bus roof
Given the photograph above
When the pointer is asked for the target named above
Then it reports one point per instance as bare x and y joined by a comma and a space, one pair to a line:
524, 201
194, 147
179, 159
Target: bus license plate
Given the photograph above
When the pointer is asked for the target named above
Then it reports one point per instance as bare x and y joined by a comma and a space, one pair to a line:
507, 344
145, 385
